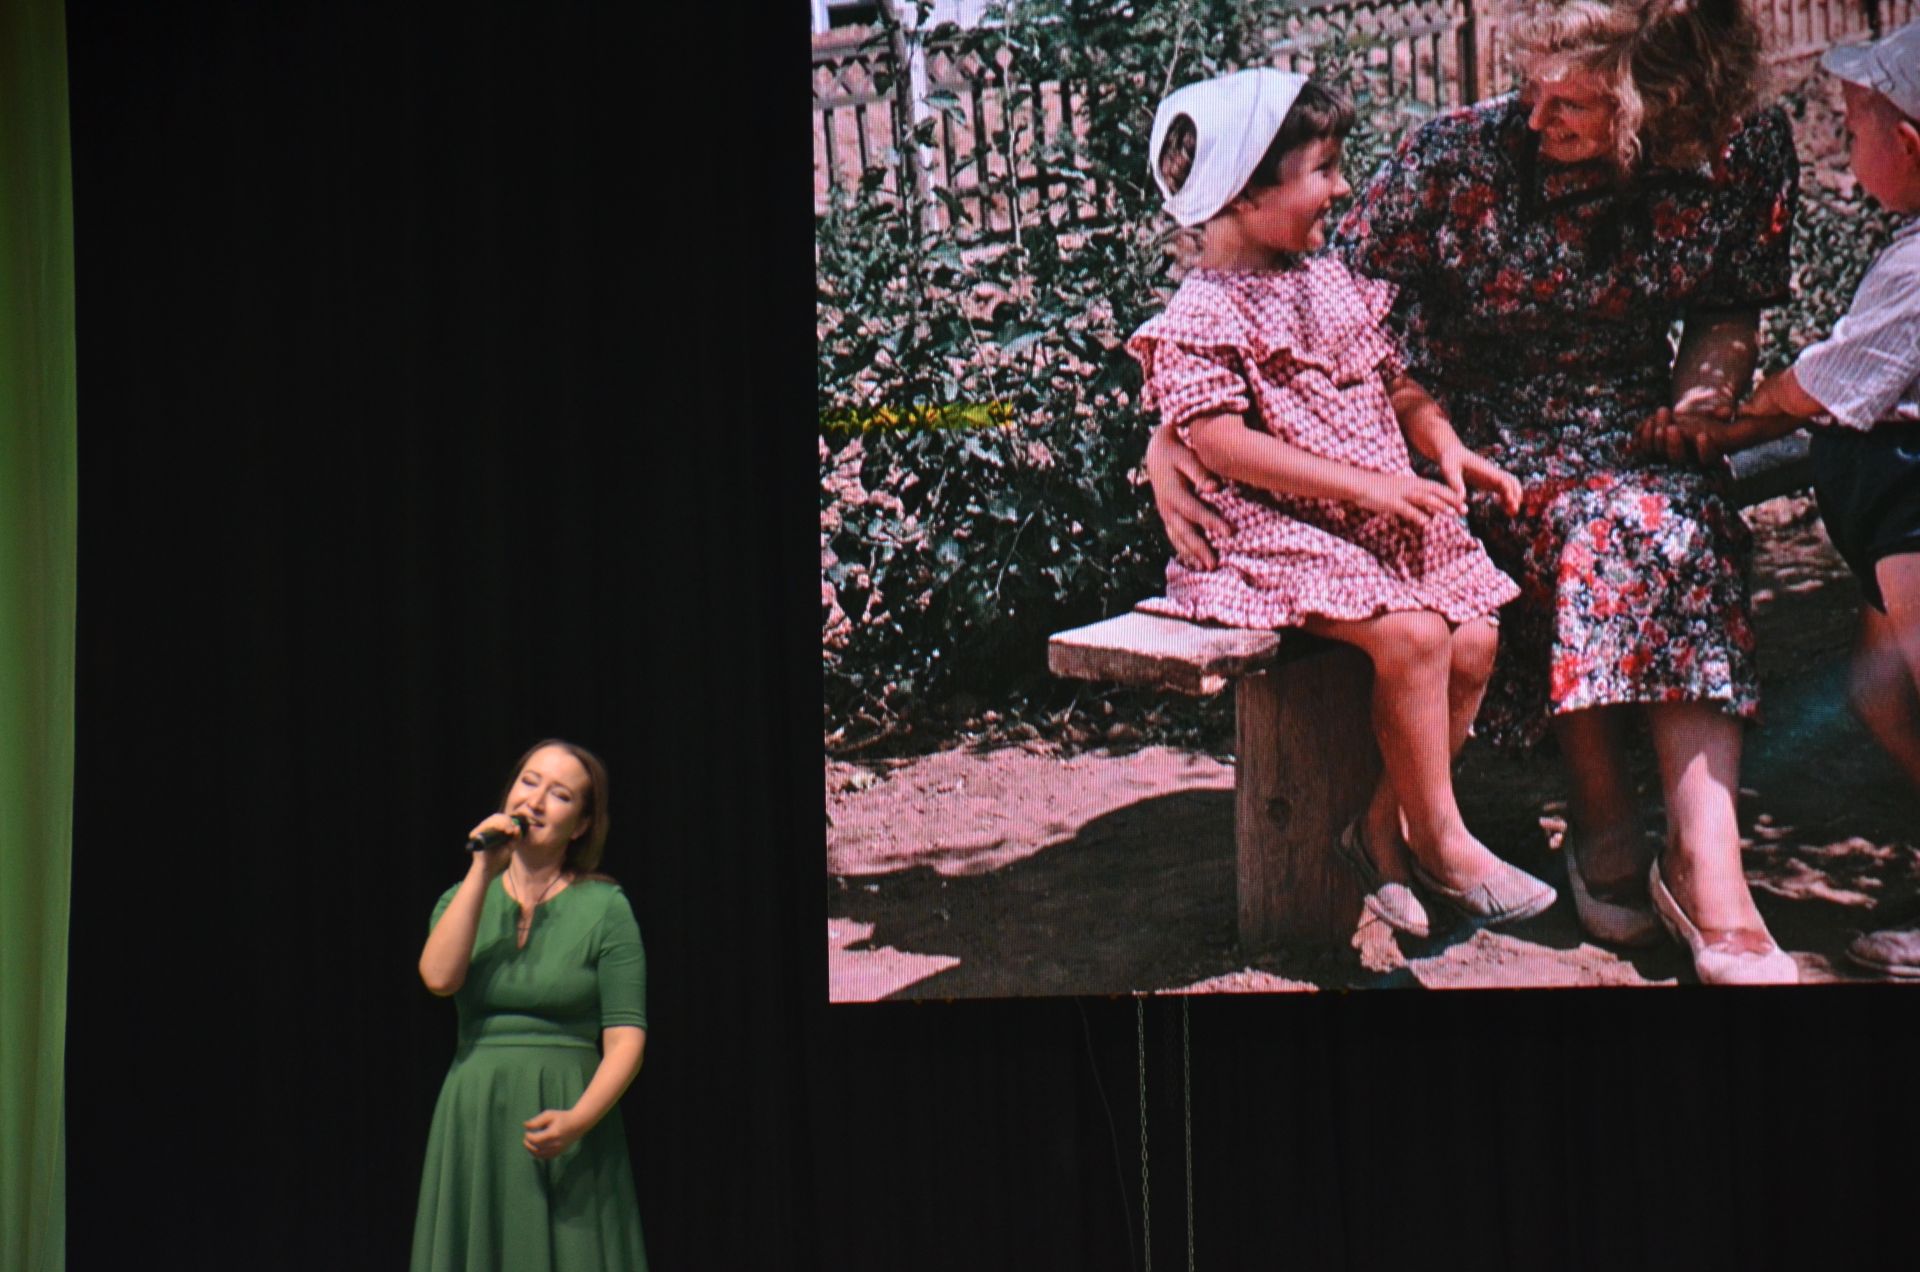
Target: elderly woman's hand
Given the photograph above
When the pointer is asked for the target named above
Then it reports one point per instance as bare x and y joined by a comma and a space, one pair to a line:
1683, 437
1178, 478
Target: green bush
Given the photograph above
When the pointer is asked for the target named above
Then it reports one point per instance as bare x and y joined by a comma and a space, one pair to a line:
995, 500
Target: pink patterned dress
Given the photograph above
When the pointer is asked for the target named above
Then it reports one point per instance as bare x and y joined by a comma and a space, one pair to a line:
1300, 352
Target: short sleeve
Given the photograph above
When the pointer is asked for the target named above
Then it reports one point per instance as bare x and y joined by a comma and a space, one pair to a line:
1872, 359
621, 966
1376, 298
1753, 208
1393, 363
440, 907
1188, 379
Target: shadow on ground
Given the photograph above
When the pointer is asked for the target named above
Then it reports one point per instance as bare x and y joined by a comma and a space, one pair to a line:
1020, 871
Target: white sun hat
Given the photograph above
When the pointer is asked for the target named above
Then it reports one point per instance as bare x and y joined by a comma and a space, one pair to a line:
1891, 67
1235, 118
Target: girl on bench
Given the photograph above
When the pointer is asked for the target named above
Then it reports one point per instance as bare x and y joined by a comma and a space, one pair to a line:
1546, 245
1272, 366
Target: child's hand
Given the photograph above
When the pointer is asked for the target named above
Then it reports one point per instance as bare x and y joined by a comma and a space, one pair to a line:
1463, 468
1408, 497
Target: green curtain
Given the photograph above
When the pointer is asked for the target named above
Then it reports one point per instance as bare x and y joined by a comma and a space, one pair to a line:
38, 483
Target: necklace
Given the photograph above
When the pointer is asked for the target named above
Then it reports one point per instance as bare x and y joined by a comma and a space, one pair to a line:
526, 911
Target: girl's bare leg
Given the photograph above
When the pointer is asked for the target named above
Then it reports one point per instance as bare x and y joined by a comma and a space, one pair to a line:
1603, 808
1698, 747
1412, 655
1472, 649
1474, 646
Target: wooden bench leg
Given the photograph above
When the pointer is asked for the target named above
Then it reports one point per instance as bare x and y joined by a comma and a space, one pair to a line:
1306, 764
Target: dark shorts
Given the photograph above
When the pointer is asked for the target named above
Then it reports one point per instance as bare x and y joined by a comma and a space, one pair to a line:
1868, 484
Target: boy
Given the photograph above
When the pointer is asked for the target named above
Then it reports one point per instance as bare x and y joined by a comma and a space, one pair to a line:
1865, 378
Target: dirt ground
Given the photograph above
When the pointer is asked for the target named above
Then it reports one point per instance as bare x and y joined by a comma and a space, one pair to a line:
1025, 870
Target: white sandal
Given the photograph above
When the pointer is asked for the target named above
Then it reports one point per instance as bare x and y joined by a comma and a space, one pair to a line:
1713, 964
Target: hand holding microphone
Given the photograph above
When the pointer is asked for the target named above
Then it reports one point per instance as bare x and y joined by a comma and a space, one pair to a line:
491, 840
496, 830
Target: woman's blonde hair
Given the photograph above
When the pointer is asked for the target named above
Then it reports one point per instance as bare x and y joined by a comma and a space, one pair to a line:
1683, 73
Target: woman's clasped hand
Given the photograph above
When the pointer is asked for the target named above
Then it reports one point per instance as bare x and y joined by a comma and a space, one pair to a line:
1700, 438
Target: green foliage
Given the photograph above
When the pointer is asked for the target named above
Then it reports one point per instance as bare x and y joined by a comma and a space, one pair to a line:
1381, 119
948, 553
1837, 231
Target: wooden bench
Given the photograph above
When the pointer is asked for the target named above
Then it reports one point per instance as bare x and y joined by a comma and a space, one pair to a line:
1302, 733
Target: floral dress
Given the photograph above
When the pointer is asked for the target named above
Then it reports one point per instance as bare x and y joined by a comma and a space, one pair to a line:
1535, 305
1300, 352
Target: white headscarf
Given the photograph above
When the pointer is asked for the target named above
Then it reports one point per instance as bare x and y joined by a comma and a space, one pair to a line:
1236, 118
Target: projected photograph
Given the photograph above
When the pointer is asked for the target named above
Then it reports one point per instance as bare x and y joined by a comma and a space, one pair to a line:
1367, 495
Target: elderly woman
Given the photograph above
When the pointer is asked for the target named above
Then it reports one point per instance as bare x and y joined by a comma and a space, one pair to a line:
1545, 245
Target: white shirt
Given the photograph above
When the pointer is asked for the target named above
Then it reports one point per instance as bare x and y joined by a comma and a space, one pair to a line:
1868, 370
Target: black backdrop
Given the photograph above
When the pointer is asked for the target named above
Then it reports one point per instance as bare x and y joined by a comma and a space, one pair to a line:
445, 382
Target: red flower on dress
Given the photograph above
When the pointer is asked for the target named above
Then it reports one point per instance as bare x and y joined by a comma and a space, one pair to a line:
1674, 223
1568, 671
1472, 203
1615, 301
1506, 286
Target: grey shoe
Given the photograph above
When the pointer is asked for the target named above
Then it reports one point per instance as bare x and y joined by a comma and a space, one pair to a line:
1509, 895
1392, 903
1891, 952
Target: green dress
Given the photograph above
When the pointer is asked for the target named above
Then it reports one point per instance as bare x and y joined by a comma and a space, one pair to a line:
530, 1022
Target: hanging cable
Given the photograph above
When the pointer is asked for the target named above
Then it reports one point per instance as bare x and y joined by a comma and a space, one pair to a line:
1140, 1054
1113, 1133
1186, 1084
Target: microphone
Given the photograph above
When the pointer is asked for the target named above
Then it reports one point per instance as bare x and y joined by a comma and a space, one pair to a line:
494, 838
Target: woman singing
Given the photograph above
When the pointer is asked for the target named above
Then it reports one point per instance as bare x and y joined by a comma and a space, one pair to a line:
527, 1167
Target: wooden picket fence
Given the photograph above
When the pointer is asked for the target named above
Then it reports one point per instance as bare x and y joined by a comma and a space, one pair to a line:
991, 132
